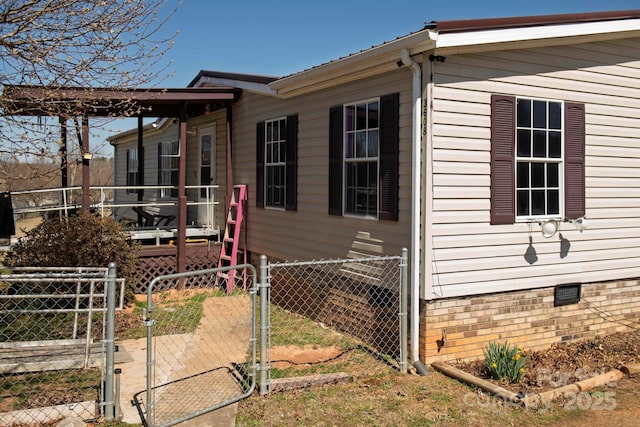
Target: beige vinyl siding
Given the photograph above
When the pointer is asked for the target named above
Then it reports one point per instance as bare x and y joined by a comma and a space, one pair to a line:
151, 140
310, 232
120, 178
120, 162
167, 133
469, 255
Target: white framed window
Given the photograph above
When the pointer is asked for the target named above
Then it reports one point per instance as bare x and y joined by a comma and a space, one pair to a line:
275, 162
361, 157
539, 156
168, 164
132, 169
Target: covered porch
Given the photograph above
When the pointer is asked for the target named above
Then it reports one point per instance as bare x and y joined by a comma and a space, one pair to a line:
149, 220
154, 219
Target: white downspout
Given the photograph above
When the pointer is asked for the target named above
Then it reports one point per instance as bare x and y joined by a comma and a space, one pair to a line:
415, 204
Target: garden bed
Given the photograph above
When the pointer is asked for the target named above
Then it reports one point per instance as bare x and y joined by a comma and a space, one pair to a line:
564, 364
582, 373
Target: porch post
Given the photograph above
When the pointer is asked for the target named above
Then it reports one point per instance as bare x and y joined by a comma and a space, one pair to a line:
229, 159
182, 198
64, 167
86, 156
140, 177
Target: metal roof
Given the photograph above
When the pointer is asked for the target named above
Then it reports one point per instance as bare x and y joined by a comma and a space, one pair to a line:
250, 78
469, 25
530, 21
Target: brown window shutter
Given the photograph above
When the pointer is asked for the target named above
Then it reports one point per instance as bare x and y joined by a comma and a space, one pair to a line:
502, 159
335, 160
574, 137
389, 146
260, 134
292, 164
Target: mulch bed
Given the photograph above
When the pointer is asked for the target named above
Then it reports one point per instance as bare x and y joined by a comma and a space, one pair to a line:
563, 364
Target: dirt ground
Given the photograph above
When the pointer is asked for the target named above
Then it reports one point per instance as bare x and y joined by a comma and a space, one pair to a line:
615, 404
380, 397
568, 363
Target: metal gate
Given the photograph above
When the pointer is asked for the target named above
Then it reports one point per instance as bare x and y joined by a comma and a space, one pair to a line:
56, 343
201, 345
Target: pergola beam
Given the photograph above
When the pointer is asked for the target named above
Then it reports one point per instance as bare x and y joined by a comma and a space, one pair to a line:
23, 100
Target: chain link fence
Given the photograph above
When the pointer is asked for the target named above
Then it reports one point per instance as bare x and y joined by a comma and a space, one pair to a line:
331, 317
201, 345
52, 343
317, 319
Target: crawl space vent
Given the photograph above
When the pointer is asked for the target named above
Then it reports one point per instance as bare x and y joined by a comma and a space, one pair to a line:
567, 294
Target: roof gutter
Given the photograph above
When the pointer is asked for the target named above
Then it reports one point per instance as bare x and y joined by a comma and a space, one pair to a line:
476, 40
415, 201
364, 64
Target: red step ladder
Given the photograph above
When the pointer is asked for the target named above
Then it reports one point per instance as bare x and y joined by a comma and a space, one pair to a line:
230, 251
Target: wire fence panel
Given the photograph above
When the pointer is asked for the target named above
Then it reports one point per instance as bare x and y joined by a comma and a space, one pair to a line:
52, 350
201, 346
329, 317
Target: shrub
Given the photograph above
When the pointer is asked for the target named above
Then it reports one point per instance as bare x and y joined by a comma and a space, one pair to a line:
85, 240
504, 362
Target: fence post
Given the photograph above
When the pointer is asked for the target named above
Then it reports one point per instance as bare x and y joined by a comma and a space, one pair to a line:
403, 311
264, 307
109, 341
149, 322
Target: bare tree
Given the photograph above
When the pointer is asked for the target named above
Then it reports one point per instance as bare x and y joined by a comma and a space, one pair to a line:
73, 44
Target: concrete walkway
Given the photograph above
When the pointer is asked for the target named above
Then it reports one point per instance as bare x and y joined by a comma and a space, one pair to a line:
204, 358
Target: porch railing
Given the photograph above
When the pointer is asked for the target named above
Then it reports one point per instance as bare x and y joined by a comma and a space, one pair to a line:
113, 201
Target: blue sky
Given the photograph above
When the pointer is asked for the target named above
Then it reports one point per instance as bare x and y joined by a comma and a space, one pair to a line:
281, 37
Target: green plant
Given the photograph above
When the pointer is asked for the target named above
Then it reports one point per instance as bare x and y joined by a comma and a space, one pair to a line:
171, 317
84, 240
504, 362
289, 328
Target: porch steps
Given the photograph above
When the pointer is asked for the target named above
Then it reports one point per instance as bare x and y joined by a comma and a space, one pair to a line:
231, 253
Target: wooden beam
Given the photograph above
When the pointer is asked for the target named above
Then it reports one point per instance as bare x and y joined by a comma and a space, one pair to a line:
229, 160
140, 178
182, 198
64, 164
86, 175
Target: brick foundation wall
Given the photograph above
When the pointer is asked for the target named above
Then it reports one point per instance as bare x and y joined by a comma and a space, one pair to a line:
525, 318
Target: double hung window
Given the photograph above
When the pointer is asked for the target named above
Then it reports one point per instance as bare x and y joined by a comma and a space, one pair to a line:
363, 158
539, 154
277, 163
361, 122
537, 159
275, 149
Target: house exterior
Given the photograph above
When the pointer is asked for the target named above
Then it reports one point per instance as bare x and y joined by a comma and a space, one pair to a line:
161, 153
504, 153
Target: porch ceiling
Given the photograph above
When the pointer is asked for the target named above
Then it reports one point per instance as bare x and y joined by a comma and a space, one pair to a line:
22, 100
